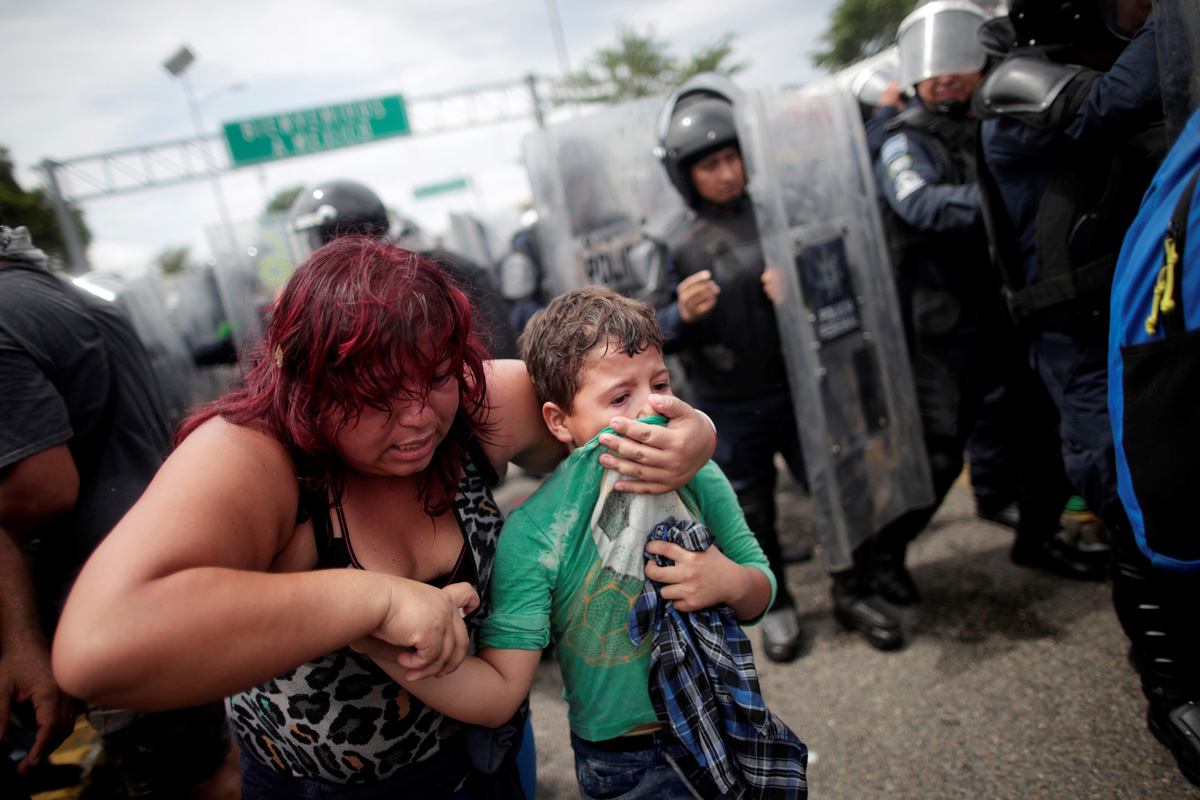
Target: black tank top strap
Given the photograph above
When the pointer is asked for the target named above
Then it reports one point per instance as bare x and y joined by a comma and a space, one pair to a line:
481, 462
464, 571
332, 552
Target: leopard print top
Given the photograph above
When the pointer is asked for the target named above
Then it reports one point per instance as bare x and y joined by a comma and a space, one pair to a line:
340, 718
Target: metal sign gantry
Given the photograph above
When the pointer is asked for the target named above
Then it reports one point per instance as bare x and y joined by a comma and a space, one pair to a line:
134, 169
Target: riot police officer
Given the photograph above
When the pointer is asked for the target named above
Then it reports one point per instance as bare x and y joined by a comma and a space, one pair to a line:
722, 322
1063, 183
961, 343
1073, 139
344, 207
521, 277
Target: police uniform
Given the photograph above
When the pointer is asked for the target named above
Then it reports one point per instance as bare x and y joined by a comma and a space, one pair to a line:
735, 367
1051, 184
961, 343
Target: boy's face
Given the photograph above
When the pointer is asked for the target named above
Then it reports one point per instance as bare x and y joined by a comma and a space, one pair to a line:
613, 385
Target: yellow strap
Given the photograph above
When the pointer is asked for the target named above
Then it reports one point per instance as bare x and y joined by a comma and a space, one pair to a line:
1163, 296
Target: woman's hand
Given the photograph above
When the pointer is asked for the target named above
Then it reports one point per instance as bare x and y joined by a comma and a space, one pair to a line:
426, 626
659, 459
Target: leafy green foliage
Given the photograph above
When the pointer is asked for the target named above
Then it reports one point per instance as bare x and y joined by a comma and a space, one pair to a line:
859, 29
641, 66
34, 210
173, 260
283, 199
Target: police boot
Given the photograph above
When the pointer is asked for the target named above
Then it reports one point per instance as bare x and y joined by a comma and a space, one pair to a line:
860, 609
892, 579
1157, 612
1175, 722
1060, 558
781, 635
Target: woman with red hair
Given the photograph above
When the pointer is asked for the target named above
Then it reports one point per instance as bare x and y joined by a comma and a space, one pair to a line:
340, 491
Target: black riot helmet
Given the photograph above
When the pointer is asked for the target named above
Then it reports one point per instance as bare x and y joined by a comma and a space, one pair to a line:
1089, 25
695, 121
336, 208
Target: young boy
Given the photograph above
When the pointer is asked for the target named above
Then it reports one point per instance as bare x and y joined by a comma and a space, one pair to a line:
570, 563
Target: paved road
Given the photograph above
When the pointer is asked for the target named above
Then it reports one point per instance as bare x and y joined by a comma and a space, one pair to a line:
1013, 684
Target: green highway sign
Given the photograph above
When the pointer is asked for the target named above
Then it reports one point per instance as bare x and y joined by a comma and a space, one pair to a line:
298, 133
455, 185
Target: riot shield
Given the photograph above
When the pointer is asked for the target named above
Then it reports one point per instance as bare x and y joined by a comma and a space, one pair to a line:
595, 183
809, 177
864, 79
1177, 28
184, 384
469, 237
248, 277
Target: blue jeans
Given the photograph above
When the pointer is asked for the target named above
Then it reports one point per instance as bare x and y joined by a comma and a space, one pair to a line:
623, 776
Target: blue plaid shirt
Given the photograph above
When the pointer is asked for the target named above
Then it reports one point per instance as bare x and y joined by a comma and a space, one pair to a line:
705, 691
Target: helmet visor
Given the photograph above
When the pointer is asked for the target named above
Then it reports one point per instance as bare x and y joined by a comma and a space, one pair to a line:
940, 38
305, 229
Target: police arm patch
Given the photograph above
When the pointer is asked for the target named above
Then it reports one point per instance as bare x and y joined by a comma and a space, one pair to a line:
899, 164
906, 183
895, 146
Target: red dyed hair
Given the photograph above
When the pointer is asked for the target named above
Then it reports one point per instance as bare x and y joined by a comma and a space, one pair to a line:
353, 320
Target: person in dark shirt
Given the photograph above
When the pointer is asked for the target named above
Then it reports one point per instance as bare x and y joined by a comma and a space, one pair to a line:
83, 429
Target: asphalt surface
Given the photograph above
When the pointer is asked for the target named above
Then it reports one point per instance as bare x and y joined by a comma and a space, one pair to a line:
1013, 683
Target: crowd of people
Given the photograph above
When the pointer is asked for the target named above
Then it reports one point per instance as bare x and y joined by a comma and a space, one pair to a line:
317, 567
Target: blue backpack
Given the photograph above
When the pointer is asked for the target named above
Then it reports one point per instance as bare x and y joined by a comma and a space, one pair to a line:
1154, 363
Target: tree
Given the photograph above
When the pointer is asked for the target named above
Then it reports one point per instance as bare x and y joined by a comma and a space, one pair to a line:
173, 260
34, 210
859, 29
284, 198
640, 66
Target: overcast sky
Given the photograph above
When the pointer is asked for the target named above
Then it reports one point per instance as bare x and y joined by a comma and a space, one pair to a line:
85, 78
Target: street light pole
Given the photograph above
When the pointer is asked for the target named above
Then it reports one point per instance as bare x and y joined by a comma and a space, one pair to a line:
560, 43
177, 65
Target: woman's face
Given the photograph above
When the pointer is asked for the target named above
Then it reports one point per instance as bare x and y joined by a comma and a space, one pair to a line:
401, 443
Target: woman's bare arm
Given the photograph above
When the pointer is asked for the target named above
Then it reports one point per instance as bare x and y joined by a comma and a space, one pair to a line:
176, 606
519, 433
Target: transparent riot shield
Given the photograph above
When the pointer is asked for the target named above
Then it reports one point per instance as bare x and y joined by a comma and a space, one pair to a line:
1177, 29
249, 276
809, 176
469, 237
595, 183
184, 384
866, 79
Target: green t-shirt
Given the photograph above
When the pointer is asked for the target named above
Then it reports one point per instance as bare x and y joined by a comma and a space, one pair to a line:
570, 565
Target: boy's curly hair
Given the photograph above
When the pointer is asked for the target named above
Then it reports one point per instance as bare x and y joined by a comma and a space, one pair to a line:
559, 338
